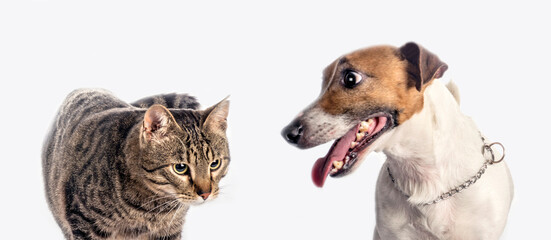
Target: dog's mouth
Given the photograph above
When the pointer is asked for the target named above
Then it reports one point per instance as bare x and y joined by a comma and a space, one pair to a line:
345, 151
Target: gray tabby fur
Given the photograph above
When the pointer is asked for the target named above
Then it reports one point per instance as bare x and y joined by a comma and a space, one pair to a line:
109, 166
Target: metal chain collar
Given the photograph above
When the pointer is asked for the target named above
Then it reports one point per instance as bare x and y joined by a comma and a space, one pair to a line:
486, 148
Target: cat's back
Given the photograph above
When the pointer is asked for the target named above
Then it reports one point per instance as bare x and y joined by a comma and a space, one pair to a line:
81, 111
83, 115
170, 100
76, 109
82, 103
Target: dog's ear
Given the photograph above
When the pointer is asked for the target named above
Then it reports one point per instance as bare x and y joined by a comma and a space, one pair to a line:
423, 65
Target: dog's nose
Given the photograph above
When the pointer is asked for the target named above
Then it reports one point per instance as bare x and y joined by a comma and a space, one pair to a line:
293, 132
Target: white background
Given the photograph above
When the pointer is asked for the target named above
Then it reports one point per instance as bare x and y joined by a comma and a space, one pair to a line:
269, 58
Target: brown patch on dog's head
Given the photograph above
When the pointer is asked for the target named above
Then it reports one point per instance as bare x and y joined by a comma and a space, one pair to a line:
390, 79
364, 94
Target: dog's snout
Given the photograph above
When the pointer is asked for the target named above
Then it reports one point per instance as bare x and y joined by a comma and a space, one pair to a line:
293, 132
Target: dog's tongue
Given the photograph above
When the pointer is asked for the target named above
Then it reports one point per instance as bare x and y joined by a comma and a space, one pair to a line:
338, 151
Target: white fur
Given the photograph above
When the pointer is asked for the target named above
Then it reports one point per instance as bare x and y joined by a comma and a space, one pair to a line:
454, 90
324, 127
436, 150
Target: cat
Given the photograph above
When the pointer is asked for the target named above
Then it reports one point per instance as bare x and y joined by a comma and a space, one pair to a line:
114, 170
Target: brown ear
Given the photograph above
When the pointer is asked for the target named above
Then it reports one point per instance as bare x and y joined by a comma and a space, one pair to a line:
156, 122
424, 65
215, 117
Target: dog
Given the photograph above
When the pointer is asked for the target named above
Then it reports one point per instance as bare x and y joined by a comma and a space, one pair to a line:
441, 179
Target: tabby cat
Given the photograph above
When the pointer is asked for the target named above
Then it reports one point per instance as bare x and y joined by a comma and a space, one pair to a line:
114, 170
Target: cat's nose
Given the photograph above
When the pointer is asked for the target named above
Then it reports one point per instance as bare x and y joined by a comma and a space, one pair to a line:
203, 189
204, 195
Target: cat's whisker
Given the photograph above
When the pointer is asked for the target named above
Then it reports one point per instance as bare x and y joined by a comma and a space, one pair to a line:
185, 197
172, 203
156, 199
219, 191
170, 211
175, 213
166, 204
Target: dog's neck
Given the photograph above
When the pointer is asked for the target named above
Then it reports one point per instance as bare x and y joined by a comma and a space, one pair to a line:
436, 149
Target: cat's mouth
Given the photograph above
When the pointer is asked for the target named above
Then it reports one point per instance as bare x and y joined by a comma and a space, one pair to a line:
347, 150
190, 199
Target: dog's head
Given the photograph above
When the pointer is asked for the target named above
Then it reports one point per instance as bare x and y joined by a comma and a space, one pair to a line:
364, 94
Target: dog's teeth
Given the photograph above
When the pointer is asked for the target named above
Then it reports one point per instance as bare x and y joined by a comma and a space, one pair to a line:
359, 136
337, 164
364, 126
353, 144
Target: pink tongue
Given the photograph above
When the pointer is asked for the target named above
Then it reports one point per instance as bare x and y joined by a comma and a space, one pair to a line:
338, 151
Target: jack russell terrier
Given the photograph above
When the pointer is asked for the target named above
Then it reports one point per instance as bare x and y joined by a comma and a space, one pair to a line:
441, 178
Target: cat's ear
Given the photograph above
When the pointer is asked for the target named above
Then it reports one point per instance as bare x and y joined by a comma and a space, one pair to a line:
214, 118
156, 123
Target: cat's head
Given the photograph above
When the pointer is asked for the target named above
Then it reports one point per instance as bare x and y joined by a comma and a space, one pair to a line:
184, 152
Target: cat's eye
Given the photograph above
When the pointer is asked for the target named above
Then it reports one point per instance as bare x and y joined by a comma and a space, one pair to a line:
215, 164
180, 168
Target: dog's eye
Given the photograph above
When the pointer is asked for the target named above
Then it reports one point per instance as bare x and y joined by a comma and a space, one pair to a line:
351, 79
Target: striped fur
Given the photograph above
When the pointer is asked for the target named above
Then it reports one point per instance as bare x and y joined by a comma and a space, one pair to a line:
171, 100
108, 176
